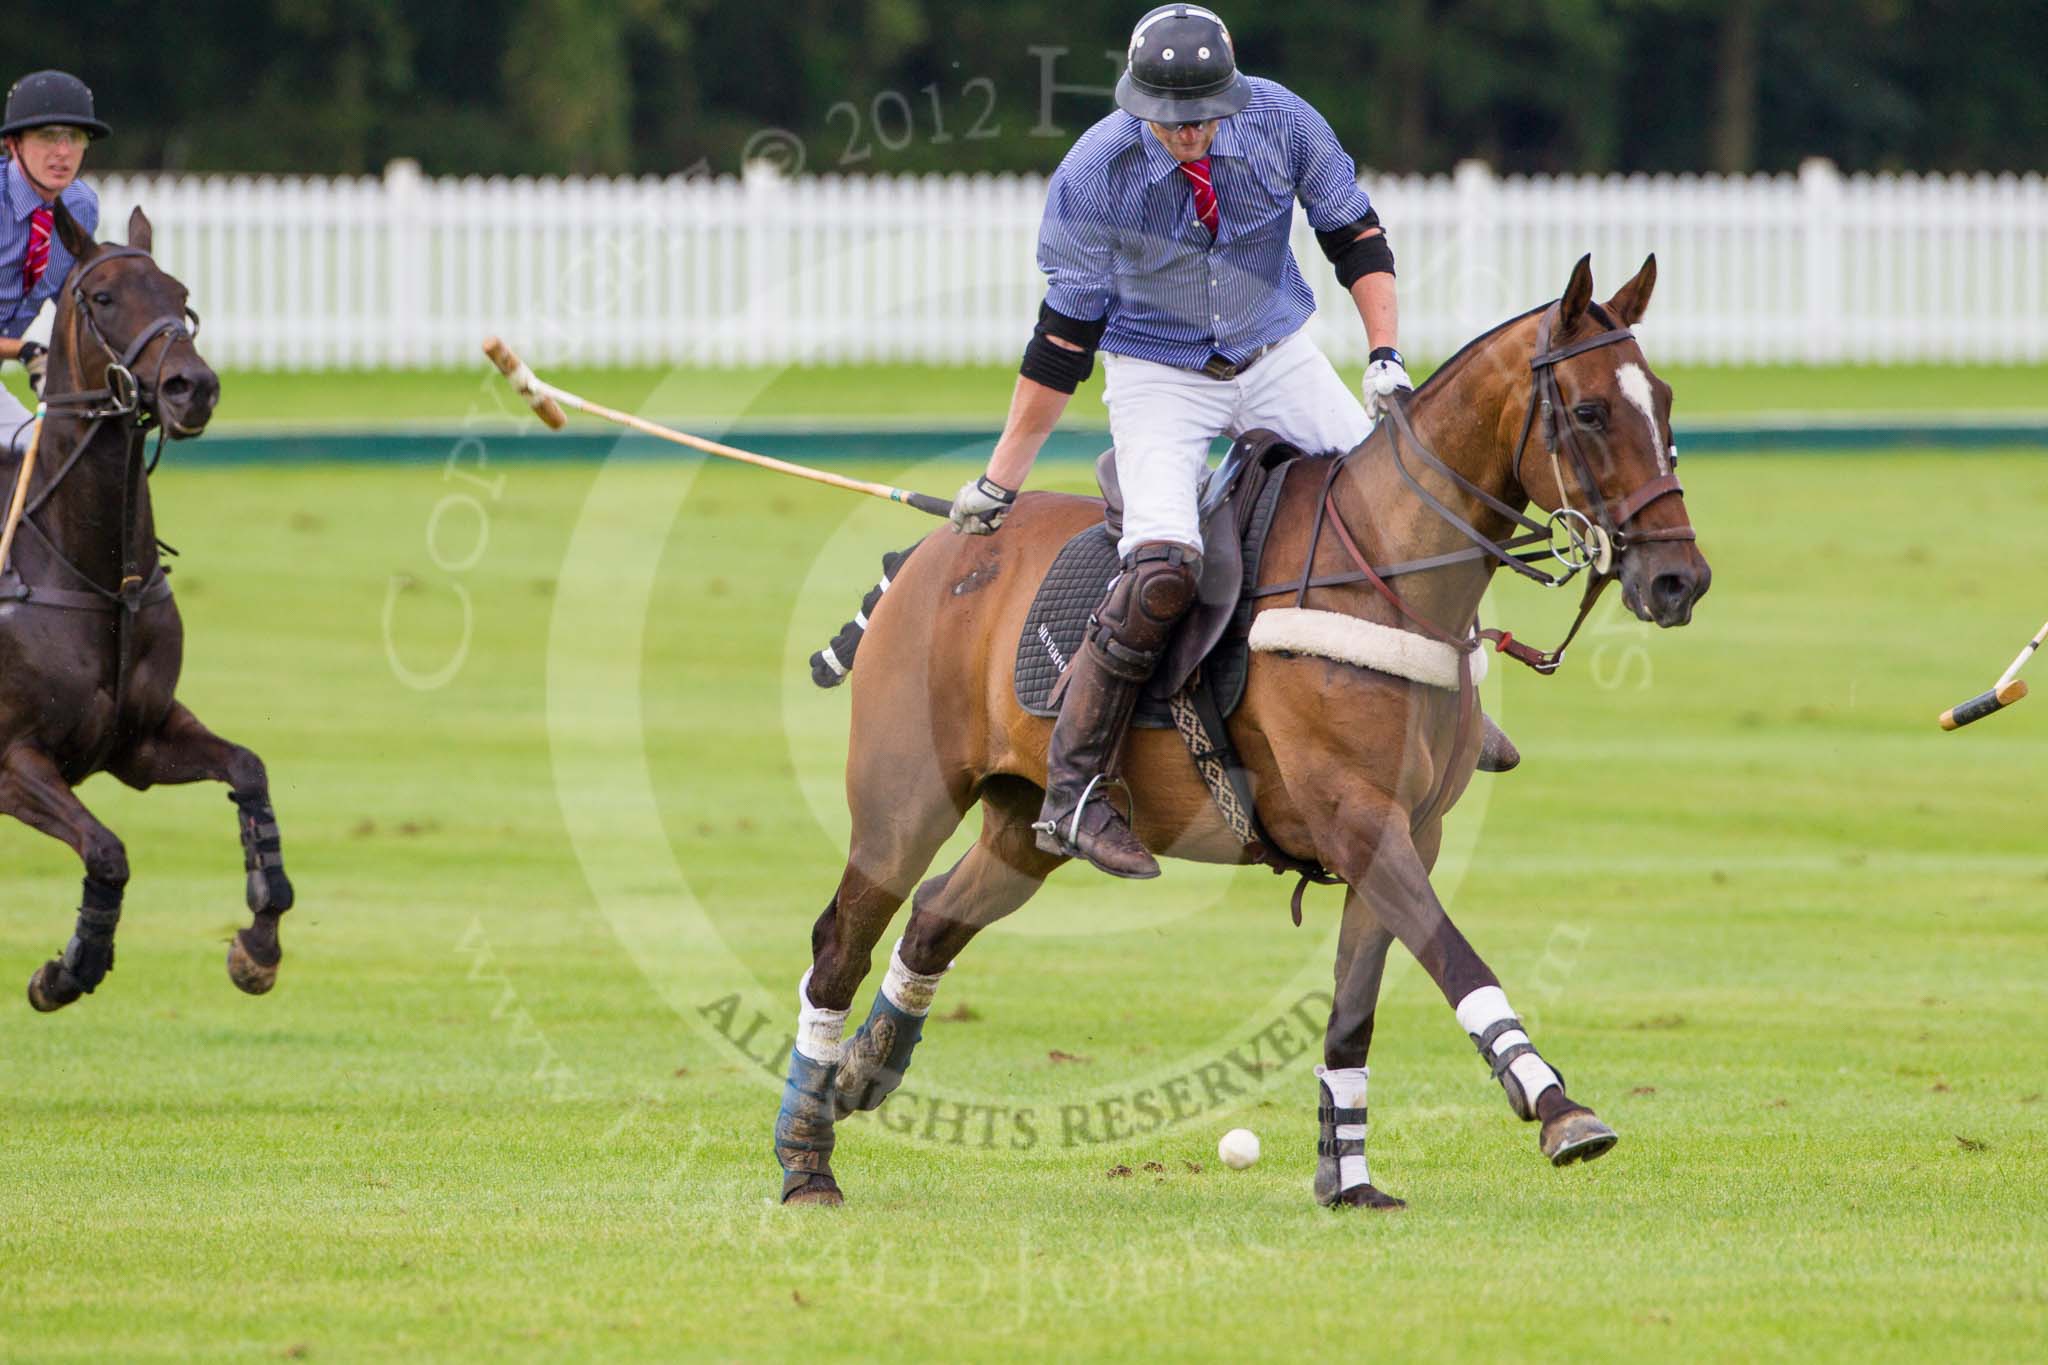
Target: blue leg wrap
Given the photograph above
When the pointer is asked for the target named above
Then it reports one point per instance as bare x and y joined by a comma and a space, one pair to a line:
876, 1057
803, 1127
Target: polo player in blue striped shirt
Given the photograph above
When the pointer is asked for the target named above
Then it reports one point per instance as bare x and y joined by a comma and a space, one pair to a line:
48, 123
1166, 245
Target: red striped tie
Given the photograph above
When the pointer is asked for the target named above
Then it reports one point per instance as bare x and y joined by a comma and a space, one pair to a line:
37, 258
1197, 173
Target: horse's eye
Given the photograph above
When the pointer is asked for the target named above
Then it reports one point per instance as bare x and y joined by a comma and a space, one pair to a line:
1590, 415
103, 299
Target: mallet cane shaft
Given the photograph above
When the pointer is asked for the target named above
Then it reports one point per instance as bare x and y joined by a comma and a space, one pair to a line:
548, 400
19, 503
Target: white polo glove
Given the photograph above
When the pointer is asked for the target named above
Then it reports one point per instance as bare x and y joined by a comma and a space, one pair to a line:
1386, 376
981, 506
35, 345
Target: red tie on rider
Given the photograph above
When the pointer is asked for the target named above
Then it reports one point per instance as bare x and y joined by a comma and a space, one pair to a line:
1204, 188
37, 258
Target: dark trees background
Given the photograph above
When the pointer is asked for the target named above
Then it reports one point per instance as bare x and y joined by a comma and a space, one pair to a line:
661, 86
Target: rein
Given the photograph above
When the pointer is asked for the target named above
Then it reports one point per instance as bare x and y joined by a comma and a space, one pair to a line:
1596, 541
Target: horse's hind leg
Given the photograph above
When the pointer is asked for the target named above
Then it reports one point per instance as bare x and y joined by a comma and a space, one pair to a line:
33, 790
1001, 872
896, 834
183, 750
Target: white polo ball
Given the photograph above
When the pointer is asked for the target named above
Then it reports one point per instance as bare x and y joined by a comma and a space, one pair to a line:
1238, 1149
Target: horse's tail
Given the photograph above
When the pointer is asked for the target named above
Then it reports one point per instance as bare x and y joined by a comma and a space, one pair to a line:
830, 665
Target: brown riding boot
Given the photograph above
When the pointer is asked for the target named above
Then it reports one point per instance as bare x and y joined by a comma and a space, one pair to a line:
1126, 637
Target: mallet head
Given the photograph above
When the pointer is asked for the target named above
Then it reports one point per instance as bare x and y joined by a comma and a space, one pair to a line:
1984, 704
535, 393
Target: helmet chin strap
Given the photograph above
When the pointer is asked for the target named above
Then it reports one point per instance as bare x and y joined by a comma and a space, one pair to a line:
21, 164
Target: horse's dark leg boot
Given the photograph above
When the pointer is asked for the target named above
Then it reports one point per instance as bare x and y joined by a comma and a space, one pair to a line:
803, 1132
1125, 639
88, 957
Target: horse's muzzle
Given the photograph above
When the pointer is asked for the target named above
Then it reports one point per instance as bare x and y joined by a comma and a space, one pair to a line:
185, 400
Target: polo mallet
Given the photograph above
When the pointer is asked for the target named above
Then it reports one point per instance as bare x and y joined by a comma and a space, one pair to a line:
2008, 689
19, 503
548, 401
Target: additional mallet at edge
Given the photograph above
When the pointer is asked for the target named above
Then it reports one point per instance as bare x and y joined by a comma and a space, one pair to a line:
2008, 689
548, 401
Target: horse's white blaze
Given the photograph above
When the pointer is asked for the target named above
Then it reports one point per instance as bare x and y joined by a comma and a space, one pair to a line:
1635, 386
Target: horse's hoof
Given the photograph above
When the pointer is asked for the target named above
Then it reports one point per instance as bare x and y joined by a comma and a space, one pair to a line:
1576, 1136
1367, 1197
248, 974
821, 1190
51, 987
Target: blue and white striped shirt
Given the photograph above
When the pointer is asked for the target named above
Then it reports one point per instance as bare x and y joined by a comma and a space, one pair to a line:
18, 201
1120, 239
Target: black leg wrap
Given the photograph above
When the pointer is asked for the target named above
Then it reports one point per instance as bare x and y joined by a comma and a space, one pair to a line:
803, 1127
875, 1058
1523, 1105
89, 956
1330, 1148
262, 853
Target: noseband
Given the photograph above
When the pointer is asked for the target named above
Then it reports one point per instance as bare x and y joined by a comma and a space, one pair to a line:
1595, 539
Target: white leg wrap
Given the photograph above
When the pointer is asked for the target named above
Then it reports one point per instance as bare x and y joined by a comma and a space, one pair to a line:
1347, 1091
1484, 1008
910, 991
817, 1031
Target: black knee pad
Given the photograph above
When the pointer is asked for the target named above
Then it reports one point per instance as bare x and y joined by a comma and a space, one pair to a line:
1155, 589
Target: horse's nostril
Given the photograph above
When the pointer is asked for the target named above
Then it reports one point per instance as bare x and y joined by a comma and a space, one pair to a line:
177, 386
1669, 589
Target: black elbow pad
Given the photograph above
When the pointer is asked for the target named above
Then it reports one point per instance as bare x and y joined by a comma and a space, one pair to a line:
1053, 365
1354, 256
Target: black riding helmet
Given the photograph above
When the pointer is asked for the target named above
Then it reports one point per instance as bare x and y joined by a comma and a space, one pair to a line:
43, 98
1182, 68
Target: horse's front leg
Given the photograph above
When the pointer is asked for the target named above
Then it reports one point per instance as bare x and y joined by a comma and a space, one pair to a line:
183, 750
33, 790
1342, 1179
1370, 847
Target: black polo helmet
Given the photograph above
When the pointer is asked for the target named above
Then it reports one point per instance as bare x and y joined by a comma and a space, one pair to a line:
1182, 68
42, 98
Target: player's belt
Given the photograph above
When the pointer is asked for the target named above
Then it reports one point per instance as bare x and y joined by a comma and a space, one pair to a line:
1221, 368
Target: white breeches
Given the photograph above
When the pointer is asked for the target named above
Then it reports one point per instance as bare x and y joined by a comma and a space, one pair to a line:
1162, 421
15, 421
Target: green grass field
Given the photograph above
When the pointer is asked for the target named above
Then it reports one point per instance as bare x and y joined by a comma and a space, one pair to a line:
1782, 932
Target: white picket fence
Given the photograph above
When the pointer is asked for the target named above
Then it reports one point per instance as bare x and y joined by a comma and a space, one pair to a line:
405, 271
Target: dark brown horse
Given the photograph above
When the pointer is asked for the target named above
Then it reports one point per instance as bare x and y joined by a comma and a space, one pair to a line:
90, 640
1351, 768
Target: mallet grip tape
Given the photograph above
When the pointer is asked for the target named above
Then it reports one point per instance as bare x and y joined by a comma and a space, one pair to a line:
1978, 707
524, 380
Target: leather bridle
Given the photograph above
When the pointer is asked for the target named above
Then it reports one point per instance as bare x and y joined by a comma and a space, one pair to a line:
1596, 539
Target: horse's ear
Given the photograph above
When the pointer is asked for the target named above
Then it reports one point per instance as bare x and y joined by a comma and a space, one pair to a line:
1578, 296
1633, 300
76, 239
138, 229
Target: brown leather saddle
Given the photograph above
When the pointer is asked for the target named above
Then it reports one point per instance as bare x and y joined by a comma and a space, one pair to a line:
1236, 502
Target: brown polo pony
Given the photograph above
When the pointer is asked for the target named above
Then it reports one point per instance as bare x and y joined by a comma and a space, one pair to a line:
91, 644
1351, 768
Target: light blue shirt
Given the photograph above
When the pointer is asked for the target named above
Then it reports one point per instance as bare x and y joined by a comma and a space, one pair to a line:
1120, 239
19, 200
